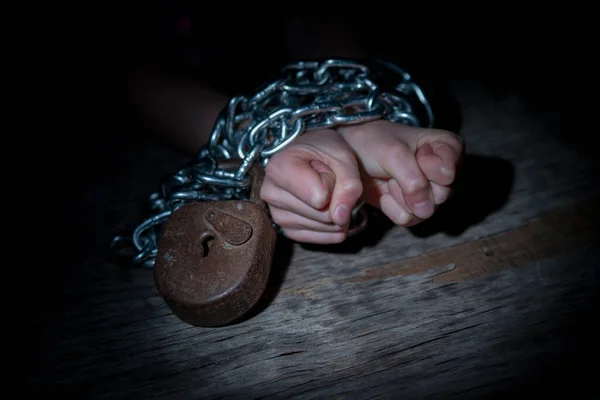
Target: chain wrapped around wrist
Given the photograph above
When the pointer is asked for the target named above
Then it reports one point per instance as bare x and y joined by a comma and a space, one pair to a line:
307, 96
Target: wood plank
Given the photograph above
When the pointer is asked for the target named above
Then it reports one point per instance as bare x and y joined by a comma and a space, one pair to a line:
389, 316
549, 234
517, 168
404, 333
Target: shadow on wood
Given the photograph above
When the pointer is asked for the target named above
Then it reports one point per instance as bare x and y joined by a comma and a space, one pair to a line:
482, 189
565, 370
279, 268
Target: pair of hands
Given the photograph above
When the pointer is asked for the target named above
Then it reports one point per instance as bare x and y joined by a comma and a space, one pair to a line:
313, 184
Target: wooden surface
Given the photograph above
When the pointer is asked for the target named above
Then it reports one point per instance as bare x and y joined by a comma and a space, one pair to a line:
496, 295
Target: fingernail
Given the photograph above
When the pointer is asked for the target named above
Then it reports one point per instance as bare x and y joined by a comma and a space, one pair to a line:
341, 215
447, 172
424, 209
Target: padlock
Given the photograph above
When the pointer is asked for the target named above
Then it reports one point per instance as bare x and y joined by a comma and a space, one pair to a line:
214, 258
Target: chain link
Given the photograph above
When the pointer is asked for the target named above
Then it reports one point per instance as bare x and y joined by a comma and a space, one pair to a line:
307, 96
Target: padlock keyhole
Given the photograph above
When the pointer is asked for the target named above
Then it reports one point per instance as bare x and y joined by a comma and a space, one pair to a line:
207, 243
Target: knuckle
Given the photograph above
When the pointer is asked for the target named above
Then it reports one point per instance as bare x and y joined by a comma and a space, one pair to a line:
319, 198
279, 159
352, 187
444, 136
397, 149
274, 164
267, 193
453, 140
414, 184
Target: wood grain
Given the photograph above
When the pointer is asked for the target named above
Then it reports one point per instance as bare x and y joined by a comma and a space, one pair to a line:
543, 237
495, 296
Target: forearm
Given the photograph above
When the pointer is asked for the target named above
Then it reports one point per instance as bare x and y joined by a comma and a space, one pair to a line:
181, 111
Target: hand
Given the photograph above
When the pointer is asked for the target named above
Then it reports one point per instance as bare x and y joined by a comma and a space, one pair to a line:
406, 172
311, 187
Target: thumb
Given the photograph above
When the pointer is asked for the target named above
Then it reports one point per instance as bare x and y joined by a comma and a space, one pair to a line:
299, 174
346, 193
327, 177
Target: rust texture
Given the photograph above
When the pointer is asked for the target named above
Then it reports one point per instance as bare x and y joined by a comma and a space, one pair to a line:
214, 258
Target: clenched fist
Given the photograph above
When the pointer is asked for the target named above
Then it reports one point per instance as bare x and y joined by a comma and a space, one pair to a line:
313, 184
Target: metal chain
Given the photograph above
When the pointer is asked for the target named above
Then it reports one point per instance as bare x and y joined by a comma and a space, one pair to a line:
307, 96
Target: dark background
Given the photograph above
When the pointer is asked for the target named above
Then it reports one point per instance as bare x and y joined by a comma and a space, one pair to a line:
85, 126
545, 56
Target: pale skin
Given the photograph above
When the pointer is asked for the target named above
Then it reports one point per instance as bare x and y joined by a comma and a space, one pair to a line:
312, 185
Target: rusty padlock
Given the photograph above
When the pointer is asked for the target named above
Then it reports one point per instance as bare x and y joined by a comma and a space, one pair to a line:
214, 258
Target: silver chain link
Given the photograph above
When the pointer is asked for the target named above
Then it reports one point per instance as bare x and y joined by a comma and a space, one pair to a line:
307, 96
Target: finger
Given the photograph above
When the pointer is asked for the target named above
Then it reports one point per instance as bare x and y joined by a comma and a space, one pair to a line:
338, 158
396, 192
347, 191
308, 236
394, 211
402, 166
438, 162
290, 220
328, 180
373, 189
440, 193
297, 176
276, 197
